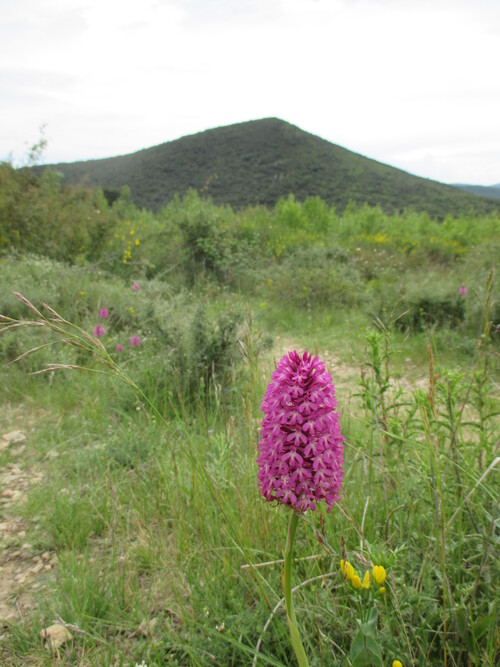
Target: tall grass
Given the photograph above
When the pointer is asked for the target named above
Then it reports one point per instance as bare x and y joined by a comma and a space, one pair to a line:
155, 520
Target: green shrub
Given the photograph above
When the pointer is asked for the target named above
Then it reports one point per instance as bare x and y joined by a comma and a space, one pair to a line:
197, 357
315, 277
43, 216
432, 311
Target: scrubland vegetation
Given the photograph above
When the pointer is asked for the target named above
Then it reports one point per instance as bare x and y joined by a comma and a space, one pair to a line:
144, 492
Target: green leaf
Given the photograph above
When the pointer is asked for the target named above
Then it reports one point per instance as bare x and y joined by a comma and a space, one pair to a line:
370, 627
480, 627
365, 651
373, 617
357, 652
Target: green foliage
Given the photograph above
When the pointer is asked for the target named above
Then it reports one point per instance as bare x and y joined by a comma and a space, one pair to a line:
364, 649
198, 360
42, 216
204, 231
315, 277
431, 310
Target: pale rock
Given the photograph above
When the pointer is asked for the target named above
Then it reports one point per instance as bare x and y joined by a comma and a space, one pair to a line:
55, 636
13, 494
7, 617
145, 629
13, 438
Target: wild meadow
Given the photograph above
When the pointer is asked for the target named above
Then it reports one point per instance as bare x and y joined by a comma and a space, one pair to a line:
130, 513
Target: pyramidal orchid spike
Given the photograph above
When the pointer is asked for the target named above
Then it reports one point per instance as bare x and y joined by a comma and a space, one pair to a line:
300, 448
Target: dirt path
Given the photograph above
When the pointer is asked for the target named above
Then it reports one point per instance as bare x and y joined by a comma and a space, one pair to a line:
23, 568
345, 376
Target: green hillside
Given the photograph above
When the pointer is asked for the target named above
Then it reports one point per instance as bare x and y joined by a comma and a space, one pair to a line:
492, 191
258, 162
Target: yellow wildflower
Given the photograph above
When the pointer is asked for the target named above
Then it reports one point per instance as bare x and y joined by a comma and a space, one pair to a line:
131, 310
397, 663
137, 242
381, 590
379, 574
366, 581
356, 581
347, 570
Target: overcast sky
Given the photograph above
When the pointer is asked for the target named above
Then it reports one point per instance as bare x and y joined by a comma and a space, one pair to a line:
412, 83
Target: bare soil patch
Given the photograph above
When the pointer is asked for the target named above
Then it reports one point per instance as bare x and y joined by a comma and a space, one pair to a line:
23, 569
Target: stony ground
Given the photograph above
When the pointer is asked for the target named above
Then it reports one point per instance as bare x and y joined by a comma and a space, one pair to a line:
23, 568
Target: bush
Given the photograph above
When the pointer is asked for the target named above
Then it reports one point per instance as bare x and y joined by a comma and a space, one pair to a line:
198, 354
43, 216
431, 308
316, 277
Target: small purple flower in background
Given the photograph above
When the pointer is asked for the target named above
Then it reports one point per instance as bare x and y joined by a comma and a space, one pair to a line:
136, 287
463, 290
99, 331
135, 341
119, 347
300, 450
103, 313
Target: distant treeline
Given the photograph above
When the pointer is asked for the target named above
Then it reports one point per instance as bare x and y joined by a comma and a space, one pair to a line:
44, 216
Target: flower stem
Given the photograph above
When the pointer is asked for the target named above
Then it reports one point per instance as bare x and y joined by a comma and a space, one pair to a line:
287, 589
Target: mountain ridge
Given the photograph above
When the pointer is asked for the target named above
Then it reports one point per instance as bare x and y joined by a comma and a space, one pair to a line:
491, 191
259, 162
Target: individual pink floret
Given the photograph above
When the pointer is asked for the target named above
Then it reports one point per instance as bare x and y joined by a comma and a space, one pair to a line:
99, 331
301, 449
104, 313
135, 341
